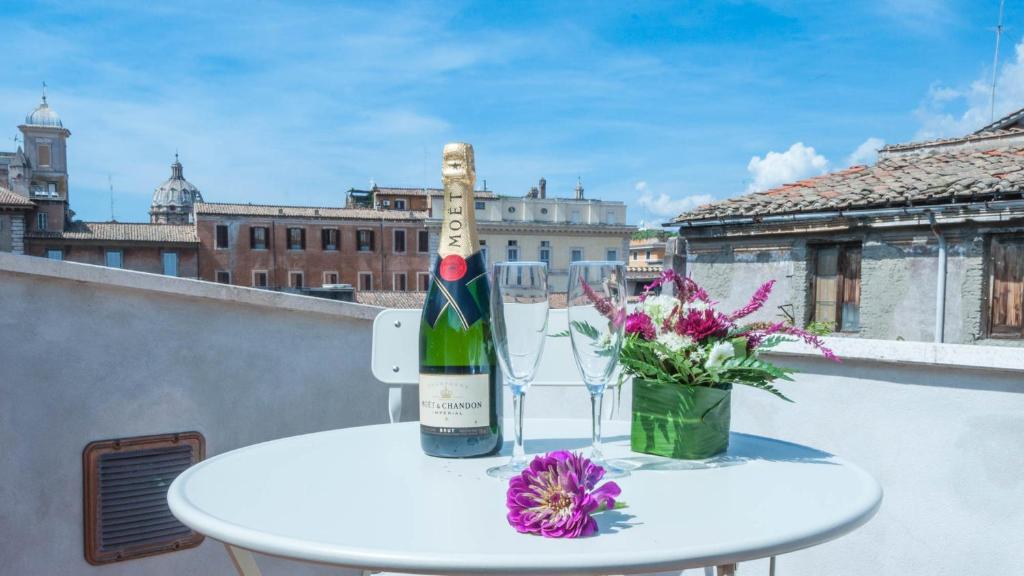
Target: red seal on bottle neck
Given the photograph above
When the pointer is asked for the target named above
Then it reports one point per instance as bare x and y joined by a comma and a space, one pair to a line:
453, 267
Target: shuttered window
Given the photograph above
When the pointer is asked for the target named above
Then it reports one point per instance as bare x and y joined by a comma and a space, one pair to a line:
1007, 281
836, 286
222, 236
364, 240
125, 495
296, 238
258, 237
329, 239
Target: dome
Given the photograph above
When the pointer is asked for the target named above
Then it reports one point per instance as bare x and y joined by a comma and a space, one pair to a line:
176, 194
43, 115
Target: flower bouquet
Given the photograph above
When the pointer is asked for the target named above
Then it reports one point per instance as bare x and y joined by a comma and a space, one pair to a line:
685, 355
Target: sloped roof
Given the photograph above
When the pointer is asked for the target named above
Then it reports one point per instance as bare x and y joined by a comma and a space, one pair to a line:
396, 191
959, 175
123, 232
9, 199
266, 210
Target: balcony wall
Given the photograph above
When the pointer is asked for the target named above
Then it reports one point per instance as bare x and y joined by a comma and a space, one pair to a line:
89, 353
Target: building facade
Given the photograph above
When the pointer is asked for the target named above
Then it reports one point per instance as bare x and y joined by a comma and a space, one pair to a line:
295, 247
36, 217
927, 244
553, 230
646, 260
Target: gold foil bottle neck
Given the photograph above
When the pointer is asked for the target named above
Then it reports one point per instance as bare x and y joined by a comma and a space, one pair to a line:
458, 225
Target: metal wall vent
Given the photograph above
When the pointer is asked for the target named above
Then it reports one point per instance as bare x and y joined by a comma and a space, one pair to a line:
125, 495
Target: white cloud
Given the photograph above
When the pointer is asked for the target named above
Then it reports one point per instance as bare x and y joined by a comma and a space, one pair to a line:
866, 153
951, 111
665, 206
784, 167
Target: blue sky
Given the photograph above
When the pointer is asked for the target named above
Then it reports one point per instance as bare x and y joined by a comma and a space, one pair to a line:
661, 105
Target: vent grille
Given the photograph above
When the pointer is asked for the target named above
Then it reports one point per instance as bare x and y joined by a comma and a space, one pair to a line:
126, 482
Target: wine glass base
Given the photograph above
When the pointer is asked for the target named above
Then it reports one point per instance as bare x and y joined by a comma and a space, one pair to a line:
507, 471
611, 470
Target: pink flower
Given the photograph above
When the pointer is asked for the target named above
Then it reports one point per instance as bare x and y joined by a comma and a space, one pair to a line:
757, 335
603, 305
641, 324
756, 302
556, 495
701, 324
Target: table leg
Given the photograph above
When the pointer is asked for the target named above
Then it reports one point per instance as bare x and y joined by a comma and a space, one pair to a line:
243, 561
771, 567
727, 570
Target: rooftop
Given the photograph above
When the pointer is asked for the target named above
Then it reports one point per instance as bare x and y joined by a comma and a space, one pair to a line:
9, 199
267, 210
398, 191
127, 232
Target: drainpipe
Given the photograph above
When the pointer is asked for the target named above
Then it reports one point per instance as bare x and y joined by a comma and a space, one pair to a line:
940, 282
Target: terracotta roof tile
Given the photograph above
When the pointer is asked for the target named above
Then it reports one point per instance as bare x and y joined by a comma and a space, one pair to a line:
960, 174
124, 232
10, 199
216, 209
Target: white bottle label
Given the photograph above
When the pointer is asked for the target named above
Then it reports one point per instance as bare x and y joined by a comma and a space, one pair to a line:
456, 404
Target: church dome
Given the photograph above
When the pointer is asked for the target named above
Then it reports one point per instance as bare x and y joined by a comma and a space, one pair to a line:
176, 195
43, 115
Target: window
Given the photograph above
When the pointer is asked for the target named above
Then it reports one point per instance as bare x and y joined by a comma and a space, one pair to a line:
43, 151
364, 240
222, 236
258, 236
259, 278
483, 251
223, 277
543, 210
398, 241
330, 239
479, 205
511, 209
399, 282
423, 241
55, 254
513, 251
400, 204
296, 238
836, 289
634, 255
1007, 281
170, 261
545, 251
114, 258
576, 254
366, 280
41, 220
330, 278
51, 190
647, 254
295, 279
611, 255
422, 281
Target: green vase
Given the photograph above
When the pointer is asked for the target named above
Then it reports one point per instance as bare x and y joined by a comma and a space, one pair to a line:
683, 422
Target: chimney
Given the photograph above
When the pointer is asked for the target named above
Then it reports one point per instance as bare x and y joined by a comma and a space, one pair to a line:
543, 188
579, 189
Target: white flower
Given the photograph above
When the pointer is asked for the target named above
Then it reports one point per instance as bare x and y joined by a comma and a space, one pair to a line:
720, 353
658, 308
674, 342
698, 305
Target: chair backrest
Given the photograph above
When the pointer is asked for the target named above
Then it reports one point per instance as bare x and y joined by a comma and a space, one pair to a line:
395, 354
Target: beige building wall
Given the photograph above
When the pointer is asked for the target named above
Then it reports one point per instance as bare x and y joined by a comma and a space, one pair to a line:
595, 246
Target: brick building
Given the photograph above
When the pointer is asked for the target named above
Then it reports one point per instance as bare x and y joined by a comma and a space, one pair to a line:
294, 247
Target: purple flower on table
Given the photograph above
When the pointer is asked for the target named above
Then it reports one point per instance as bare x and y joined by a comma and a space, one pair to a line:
556, 495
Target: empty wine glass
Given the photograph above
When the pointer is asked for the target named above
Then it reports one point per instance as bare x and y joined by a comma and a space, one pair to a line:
597, 318
519, 323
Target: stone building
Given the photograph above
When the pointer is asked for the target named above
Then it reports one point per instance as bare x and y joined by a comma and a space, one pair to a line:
173, 200
300, 247
553, 230
927, 244
36, 217
646, 260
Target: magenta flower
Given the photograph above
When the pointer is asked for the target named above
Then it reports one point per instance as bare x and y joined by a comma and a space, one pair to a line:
757, 335
556, 495
640, 323
700, 324
756, 302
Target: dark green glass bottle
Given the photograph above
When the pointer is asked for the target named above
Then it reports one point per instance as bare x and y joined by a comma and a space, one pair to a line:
460, 393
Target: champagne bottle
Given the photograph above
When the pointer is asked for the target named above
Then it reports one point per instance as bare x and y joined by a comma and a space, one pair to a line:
459, 389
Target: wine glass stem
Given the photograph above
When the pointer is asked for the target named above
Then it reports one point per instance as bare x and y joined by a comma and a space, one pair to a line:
595, 409
518, 453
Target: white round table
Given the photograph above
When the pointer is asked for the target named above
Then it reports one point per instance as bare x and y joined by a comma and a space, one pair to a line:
369, 498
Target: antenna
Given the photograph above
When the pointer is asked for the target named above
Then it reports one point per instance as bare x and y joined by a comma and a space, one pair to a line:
44, 91
995, 63
110, 183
